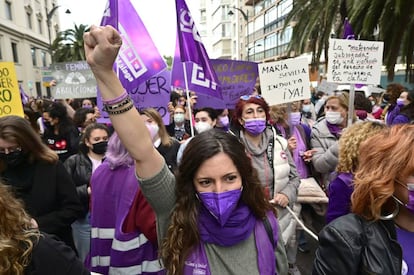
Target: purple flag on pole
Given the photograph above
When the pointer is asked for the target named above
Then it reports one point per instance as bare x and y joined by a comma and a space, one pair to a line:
23, 95
201, 77
348, 32
138, 58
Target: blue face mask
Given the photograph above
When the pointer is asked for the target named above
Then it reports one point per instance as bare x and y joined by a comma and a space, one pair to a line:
220, 205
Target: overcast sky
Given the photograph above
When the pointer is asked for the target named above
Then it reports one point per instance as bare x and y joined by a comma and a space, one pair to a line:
157, 15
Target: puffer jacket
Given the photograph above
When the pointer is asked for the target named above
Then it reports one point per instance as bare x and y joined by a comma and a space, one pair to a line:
79, 167
325, 159
352, 245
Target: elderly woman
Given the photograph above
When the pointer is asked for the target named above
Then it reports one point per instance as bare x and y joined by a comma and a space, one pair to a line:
378, 236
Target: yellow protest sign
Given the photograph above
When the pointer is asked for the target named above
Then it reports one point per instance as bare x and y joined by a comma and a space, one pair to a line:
10, 100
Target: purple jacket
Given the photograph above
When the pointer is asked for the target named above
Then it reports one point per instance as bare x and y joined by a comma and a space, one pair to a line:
340, 190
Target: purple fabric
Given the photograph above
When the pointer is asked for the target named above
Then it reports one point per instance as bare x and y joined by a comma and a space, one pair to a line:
406, 240
190, 49
197, 261
348, 32
238, 227
393, 111
298, 152
400, 119
334, 129
23, 95
110, 204
138, 59
339, 193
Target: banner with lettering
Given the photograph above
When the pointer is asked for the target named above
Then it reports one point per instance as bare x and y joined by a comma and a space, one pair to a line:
355, 61
73, 80
236, 77
138, 59
10, 100
153, 93
285, 81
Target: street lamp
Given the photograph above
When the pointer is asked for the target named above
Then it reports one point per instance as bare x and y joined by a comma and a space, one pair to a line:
246, 18
49, 15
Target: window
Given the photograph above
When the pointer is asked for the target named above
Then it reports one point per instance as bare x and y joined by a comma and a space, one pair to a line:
33, 52
29, 19
1, 46
8, 9
43, 56
39, 23
15, 52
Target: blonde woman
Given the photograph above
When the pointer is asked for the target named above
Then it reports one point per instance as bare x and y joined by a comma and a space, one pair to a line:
341, 187
24, 250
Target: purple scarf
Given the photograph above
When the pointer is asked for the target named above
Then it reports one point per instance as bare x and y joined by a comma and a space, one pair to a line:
334, 129
238, 227
298, 152
197, 261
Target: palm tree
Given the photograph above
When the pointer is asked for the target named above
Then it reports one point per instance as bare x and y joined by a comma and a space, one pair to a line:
393, 21
316, 21
68, 45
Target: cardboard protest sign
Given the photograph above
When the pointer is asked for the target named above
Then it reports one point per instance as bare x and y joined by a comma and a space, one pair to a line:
285, 81
73, 80
327, 87
355, 61
10, 100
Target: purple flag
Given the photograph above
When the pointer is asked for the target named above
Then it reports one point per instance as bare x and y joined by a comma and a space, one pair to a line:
200, 74
23, 95
138, 59
348, 32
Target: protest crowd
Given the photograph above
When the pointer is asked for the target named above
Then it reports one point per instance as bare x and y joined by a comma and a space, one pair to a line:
103, 186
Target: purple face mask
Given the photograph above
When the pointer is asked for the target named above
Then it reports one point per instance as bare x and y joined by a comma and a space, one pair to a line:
255, 126
220, 205
224, 121
410, 203
400, 102
294, 118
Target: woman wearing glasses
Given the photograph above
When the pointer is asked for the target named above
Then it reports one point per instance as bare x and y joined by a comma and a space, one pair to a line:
271, 157
38, 178
212, 218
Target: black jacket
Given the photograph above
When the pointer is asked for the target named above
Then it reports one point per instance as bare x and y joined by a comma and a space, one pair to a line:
352, 245
79, 167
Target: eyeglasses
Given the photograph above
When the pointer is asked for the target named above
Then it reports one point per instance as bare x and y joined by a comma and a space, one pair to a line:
247, 97
10, 150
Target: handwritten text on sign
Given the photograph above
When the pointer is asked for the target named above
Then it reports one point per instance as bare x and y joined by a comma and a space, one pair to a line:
10, 100
285, 81
355, 61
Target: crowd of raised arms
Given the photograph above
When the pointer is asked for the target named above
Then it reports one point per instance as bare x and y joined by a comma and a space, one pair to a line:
211, 191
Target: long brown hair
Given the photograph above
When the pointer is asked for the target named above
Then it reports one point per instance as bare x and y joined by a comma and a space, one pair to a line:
17, 237
385, 159
17, 129
183, 233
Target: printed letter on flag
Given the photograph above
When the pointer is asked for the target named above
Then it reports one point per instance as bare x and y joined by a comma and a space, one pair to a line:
201, 76
138, 59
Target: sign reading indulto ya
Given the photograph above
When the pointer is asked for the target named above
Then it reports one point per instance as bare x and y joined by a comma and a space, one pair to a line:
285, 81
10, 100
355, 61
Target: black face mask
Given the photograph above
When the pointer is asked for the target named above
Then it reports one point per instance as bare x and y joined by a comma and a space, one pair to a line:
386, 97
100, 147
13, 158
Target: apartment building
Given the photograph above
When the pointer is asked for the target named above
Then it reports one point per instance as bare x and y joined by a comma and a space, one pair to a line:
245, 29
25, 38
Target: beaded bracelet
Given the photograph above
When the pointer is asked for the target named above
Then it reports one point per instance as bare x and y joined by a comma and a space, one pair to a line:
116, 99
121, 111
108, 107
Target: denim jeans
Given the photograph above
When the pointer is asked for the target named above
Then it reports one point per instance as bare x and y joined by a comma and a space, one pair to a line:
81, 231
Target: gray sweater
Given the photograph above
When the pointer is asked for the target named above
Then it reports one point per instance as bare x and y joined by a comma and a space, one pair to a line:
238, 259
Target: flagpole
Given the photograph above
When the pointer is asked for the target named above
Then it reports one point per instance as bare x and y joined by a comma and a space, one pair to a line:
351, 104
188, 99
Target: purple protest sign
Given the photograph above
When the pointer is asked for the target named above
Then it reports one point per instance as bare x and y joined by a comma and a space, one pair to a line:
153, 93
237, 78
138, 58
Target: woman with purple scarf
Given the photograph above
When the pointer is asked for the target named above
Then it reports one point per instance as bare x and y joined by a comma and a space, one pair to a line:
213, 217
325, 135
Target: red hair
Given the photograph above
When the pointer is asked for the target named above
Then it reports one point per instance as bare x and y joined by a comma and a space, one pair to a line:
238, 110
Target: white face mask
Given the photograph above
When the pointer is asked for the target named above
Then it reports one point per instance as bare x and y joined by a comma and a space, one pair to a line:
334, 117
178, 118
153, 130
202, 127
